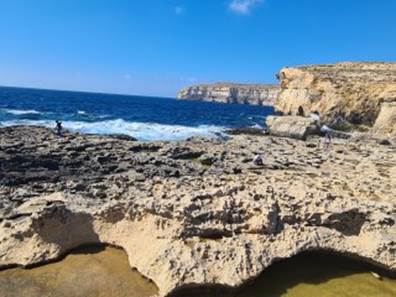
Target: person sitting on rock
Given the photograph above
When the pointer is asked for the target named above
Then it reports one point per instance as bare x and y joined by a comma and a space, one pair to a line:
59, 128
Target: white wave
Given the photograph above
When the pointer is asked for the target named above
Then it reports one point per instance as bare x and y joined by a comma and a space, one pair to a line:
141, 131
81, 112
257, 126
20, 111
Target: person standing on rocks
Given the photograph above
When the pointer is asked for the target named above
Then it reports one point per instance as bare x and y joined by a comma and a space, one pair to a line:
323, 129
326, 131
301, 112
59, 127
315, 116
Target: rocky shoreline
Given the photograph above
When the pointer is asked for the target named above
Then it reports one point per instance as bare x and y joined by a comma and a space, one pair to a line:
348, 96
253, 94
196, 213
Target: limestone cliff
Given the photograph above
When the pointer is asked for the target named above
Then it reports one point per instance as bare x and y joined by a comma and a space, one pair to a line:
344, 93
258, 94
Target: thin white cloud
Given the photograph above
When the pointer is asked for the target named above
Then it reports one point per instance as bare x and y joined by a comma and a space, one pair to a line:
243, 6
179, 10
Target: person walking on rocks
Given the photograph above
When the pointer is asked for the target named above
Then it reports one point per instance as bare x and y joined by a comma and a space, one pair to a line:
59, 128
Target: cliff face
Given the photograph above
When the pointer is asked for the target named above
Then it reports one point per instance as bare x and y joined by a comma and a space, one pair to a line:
232, 93
345, 93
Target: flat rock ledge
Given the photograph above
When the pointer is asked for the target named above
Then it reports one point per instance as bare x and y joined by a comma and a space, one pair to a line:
199, 212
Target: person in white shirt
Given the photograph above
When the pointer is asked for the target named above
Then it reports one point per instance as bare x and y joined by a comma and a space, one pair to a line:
316, 117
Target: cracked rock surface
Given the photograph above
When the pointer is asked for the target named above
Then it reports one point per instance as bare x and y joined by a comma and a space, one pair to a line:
198, 212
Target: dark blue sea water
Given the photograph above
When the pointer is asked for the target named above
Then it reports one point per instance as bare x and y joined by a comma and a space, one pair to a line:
145, 118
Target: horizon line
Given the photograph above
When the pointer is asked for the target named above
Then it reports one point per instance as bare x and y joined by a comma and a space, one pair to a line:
84, 91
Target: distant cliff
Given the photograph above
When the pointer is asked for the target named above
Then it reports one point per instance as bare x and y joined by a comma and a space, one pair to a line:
258, 94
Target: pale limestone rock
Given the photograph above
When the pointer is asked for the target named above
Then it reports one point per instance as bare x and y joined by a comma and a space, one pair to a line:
291, 126
209, 225
232, 93
386, 122
344, 93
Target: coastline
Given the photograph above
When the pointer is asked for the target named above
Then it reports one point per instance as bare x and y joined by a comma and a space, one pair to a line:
232, 93
209, 214
144, 118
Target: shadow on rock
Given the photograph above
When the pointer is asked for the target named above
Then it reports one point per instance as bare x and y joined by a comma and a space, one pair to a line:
68, 229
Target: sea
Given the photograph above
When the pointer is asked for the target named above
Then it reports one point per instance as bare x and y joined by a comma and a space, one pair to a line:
142, 117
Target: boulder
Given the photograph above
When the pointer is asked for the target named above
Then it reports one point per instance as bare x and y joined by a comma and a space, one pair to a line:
291, 126
386, 121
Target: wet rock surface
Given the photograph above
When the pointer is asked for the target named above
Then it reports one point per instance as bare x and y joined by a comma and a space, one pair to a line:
198, 212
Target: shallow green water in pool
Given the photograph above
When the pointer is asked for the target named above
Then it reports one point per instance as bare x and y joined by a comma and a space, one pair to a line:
105, 272
313, 275
320, 275
90, 272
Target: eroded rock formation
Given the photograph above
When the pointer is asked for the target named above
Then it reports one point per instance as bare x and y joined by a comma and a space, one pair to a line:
197, 212
345, 94
292, 126
386, 120
232, 93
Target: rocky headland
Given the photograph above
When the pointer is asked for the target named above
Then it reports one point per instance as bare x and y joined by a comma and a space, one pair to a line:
255, 94
197, 213
347, 95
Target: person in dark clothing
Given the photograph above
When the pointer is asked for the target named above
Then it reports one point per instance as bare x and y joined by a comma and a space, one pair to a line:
300, 111
59, 128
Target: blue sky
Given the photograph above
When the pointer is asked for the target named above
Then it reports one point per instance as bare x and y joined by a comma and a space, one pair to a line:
155, 47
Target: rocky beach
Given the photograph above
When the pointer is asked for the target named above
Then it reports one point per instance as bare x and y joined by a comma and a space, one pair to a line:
196, 213
208, 214
236, 148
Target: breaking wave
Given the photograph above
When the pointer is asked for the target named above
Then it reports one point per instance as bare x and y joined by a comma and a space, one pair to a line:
19, 111
141, 131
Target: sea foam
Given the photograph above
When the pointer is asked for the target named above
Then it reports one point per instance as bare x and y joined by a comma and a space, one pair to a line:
19, 111
141, 131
